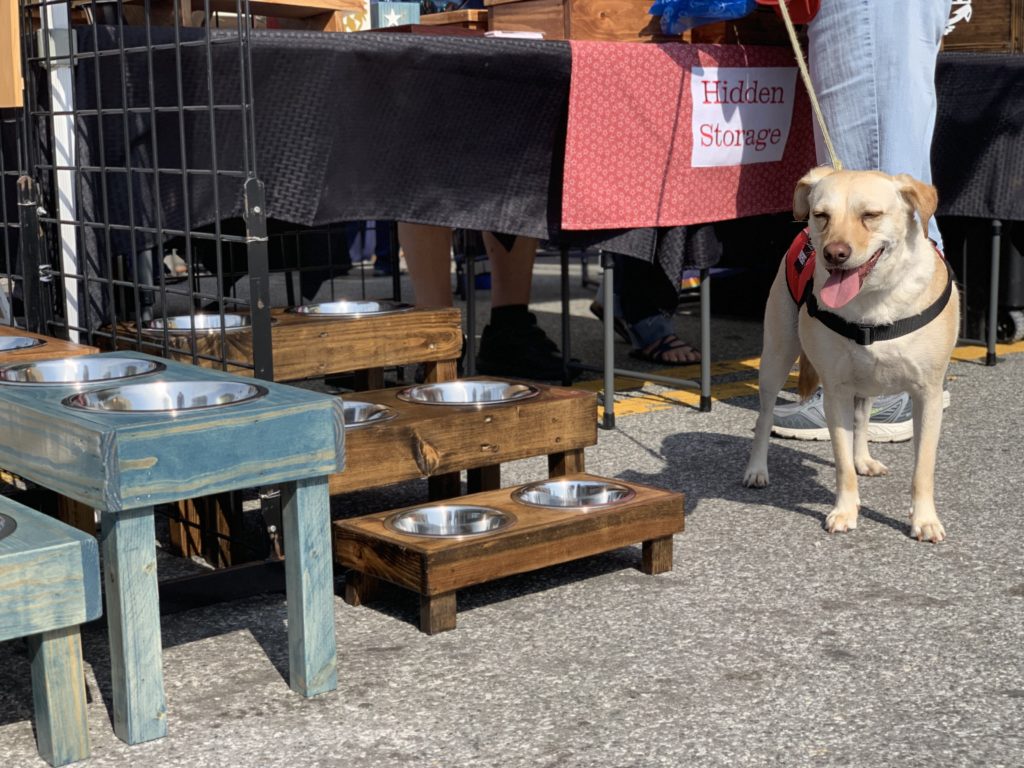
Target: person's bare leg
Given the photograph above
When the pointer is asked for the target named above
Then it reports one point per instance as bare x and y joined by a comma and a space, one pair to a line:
428, 253
511, 271
512, 344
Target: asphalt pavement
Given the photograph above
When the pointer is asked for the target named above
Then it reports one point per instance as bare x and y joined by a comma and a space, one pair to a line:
770, 642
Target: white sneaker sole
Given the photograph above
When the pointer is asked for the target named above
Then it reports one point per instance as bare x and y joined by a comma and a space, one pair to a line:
898, 432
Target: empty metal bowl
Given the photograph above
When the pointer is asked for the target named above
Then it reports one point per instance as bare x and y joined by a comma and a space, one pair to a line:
201, 322
573, 494
9, 343
166, 396
346, 308
77, 370
450, 520
360, 414
468, 392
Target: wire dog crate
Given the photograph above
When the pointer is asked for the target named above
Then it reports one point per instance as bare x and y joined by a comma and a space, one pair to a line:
131, 190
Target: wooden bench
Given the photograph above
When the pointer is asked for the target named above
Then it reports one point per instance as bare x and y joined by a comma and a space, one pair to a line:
49, 584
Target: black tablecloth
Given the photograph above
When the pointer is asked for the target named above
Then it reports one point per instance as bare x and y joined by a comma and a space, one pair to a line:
460, 131
978, 149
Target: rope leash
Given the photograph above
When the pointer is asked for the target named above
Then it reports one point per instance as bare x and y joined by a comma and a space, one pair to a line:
806, 76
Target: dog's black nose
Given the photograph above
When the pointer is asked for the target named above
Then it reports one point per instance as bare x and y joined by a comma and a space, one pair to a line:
837, 253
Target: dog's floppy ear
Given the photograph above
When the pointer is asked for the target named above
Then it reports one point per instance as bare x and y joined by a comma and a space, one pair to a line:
801, 205
923, 198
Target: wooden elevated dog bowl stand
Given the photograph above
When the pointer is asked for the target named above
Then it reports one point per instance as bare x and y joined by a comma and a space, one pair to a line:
436, 567
68, 510
303, 346
438, 441
50, 349
125, 463
309, 346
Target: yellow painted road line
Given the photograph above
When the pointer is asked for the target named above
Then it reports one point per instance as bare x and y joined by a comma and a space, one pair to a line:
628, 404
977, 352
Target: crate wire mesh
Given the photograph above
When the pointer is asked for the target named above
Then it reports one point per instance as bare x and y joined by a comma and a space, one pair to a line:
131, 188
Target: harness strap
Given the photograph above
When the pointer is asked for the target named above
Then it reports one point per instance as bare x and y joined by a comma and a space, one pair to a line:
868, 334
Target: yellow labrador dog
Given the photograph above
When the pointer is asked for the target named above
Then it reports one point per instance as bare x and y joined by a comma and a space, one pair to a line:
879, 317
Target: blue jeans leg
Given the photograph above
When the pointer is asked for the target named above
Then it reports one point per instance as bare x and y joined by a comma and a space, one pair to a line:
872, 64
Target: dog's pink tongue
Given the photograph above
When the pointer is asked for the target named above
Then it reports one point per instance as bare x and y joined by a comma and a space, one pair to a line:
841, 286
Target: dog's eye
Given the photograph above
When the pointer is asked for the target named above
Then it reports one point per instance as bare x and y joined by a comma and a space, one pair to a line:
870, 215
821, 217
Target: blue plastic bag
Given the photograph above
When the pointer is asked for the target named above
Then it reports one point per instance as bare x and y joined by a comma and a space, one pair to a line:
677, 16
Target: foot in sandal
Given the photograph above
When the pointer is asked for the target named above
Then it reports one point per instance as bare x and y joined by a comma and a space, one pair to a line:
668, 350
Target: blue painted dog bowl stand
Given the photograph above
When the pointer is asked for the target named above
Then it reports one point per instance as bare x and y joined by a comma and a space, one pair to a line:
126, 463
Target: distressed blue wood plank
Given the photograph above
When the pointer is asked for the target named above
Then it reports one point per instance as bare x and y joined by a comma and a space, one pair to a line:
120, 461
133, 621
49, 574
58, 693
309, 578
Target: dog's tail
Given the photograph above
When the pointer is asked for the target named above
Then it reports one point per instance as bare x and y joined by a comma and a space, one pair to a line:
808, 381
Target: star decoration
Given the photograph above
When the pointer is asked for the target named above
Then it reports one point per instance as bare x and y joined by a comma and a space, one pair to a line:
392, 17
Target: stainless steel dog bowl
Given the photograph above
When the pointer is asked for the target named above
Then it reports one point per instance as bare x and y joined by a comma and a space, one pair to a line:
359, 414
346, 308
77, 370
166, 396
573, 494
468, 392
201, 322
9, 343
450, 521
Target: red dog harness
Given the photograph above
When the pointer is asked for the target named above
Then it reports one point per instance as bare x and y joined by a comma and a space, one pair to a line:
800, 281
800, 267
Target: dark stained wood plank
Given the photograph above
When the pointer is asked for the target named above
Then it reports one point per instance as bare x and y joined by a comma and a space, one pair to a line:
437, 613
430, 440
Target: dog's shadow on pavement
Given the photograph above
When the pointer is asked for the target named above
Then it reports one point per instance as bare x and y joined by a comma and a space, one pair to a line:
709, 465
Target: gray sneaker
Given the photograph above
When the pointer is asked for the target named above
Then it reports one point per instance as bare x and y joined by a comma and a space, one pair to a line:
891, 419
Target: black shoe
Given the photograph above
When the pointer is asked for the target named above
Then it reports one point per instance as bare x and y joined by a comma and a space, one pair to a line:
521, 350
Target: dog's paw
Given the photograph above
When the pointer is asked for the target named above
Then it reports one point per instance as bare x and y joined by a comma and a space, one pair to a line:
927, 530
756, 477
839, 521
870, 467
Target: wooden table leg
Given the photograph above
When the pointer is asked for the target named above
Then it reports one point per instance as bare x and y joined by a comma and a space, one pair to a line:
483, 478
440, 370
446, 486
565, 462
58, 691
76, 514
656, 555
309, 581
361, 588
437, 613
128, 542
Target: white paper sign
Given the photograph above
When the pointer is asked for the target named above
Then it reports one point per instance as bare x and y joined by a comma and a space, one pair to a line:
741, 115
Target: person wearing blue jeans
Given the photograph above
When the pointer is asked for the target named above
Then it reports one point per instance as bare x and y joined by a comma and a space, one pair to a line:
872, 65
